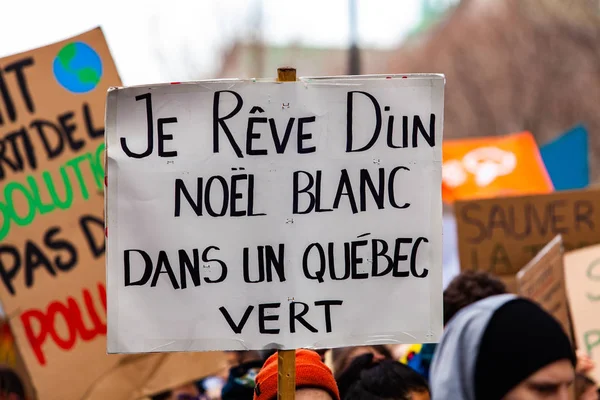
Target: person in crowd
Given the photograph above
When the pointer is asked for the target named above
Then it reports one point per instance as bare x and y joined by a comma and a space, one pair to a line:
585, 388
268, 353
503, 348
11, 386
188, 391
314, 379
342, 357
467, 288
240, 382
368, 378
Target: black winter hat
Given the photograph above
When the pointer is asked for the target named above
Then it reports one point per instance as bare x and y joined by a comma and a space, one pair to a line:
509, 353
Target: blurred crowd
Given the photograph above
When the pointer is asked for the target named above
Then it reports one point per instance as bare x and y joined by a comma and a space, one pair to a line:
495, 346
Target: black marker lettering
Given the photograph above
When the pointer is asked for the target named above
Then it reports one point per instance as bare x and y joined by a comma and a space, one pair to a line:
220, 121
223, 266
149, 121
43, 128
318, 275
97, 244
68, 128
127, 268
418, 127
413, 259
400, 257
280, 145
54, 243
305, 136
236, 328
163, 263
355, 260
350, 122
162, 137
92, 131
294, 316
327, 304
187, 265
251, 135
8, 273
380, 253
18, 67
391, 191
263, 318
35, 258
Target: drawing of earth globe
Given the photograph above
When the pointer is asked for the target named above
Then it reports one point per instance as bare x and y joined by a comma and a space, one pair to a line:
77, 67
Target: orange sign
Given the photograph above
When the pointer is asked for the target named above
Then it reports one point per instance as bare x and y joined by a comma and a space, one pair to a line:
493, 166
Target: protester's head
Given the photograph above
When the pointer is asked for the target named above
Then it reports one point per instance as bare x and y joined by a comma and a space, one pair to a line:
503, 348
188, 391
314, 379
467, 288
241, 381
268, 353
366, 378
11, 386
342, 357
585, 388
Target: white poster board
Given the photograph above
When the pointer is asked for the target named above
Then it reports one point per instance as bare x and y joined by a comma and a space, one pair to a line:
329, 232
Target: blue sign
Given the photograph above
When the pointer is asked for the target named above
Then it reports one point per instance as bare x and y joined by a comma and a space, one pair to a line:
567, 160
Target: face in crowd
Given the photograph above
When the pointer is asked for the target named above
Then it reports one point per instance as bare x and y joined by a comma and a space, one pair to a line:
503, 348
553, 382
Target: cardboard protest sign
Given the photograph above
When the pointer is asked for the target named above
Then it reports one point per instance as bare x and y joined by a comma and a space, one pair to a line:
543, 281
582, 271
52, 232
136, 377
501, 235
250, 215
485, 167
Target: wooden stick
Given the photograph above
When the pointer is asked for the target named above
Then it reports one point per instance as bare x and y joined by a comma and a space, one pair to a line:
286, 74
286, 374
286, 359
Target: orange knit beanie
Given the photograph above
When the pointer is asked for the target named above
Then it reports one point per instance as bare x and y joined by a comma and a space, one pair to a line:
310, 373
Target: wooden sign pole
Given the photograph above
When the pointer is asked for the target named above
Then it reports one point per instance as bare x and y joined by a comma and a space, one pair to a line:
286, 359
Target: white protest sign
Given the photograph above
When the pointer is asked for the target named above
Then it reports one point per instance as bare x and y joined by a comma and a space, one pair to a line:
247, 215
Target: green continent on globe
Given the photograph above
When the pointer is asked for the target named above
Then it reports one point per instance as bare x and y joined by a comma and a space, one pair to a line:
88, 75
66, 54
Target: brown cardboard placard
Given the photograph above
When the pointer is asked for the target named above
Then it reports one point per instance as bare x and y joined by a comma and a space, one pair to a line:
52, 272
501, 235
136, 377
543, 281
582, 272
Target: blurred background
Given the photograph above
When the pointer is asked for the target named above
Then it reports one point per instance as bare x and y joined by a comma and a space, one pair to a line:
511, 65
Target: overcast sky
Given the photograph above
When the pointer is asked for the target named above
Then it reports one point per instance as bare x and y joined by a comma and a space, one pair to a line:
150, 39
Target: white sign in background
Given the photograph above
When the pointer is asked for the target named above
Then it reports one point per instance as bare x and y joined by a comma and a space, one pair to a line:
248, 215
